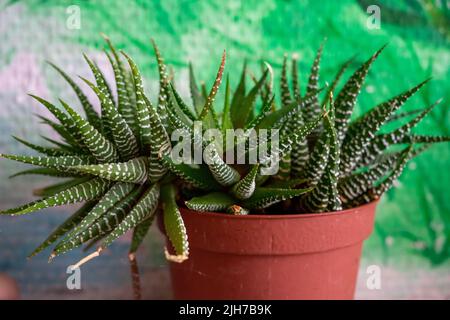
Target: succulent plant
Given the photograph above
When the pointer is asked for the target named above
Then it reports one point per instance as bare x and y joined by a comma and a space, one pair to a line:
327, 161
110, 162
121, 164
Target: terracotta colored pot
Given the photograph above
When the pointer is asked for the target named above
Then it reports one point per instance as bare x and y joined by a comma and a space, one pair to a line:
307, 256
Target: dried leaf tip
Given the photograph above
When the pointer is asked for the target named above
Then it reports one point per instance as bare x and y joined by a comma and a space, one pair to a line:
173, 257
104, 36
88, 258
237, 210
52, 256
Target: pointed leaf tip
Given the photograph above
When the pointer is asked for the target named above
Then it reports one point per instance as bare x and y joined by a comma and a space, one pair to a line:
104, 36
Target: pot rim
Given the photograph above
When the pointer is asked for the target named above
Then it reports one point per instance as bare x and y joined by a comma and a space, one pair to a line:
224, 215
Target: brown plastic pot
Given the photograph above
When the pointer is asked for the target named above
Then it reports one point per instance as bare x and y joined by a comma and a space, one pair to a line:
305, 256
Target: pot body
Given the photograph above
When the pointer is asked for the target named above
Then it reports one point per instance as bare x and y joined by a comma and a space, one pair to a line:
305, 256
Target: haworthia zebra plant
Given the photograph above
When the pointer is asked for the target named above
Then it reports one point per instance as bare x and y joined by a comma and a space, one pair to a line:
109, 162
327, 160
120, 162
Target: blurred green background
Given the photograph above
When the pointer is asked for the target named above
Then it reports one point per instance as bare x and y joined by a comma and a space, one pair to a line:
413, 221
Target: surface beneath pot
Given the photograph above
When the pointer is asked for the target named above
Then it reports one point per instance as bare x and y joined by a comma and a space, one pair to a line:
108, 277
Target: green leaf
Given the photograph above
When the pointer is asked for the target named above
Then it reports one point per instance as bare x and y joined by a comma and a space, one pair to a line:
211, 202
197, 175
100, 147
163, 83
66, 136
102, 227
278, 118
92, 242
246, 186
332, 170
118, 192
222, 172
58, 187
363, 130
267, 91
226, 116
295, 82
161, 145
394, 103
284, 85
212, 93
69, 125
313, 109
383, 141
44, 172
197, 98
284, 171
243, 114
285, 184
131, 171
346, 99
131, 95
248, 104
357, 184
152, 131
336, 79
125, 104
174, 226
300, 151
59, 163
315, 201
99, 78
144, 209
325, 196
176, 112
377, 191
317, 161
424, 139
91, 114
177, 122
139, 233
51, 152
183, 106
122, 135
143, 116
238, 98
405, 114
70, 149
286, 142
265, 110
265, 197
86, 191
62, 229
